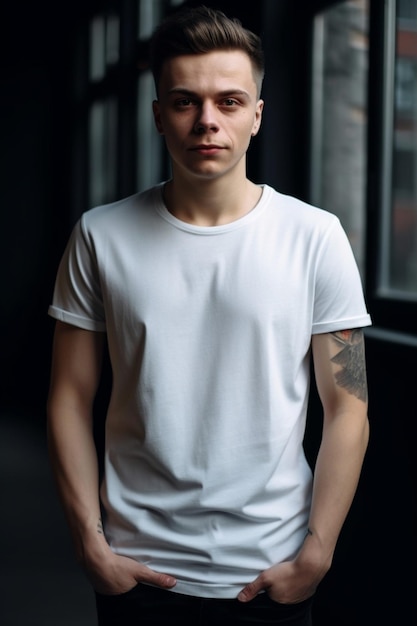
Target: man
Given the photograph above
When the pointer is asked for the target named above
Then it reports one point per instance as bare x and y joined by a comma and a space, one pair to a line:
212, 293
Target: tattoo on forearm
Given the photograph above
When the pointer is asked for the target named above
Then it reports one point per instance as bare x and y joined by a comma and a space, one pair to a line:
351, 358
309, 532
100, 526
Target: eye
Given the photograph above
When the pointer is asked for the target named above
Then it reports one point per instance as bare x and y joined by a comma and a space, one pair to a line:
229, 102
184, 102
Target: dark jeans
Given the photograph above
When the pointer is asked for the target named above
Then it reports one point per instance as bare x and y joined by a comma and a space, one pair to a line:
150, 606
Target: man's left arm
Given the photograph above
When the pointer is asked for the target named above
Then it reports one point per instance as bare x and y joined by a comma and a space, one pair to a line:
339, 364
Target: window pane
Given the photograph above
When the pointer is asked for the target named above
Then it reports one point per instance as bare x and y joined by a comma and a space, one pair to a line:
401, 271
102, 152
149, 144
112, 39
339, 117
104, 44
407, 9
97, 48
150, 13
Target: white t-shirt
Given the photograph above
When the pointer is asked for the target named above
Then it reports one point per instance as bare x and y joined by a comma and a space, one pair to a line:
209, 332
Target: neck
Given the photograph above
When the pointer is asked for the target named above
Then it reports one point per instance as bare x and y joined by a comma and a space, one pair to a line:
210, 203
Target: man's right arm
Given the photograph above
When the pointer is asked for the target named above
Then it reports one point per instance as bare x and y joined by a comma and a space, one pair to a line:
75, 375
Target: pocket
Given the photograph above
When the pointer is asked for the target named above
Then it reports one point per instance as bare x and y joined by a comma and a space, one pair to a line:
270, 611
118, 608
116, 596
303, 603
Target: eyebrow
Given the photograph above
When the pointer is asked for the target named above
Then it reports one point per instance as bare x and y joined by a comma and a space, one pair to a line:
221, 94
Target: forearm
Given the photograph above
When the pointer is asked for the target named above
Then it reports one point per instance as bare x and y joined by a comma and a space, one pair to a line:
75, 466
336, 477
341, 381
75, 376
74, 461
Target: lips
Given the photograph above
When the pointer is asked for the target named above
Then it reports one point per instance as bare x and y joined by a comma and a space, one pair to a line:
206, 148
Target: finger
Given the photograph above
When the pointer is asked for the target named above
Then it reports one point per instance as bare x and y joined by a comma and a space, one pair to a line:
251, 590
156, 578
164, 580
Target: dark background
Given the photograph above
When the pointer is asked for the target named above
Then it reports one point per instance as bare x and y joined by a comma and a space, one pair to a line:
40, 583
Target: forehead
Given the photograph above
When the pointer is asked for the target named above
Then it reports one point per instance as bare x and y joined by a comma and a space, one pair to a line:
218, 70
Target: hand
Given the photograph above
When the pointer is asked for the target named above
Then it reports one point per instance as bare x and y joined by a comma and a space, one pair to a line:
286, 583
118, 574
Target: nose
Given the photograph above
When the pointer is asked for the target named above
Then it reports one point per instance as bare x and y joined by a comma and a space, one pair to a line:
206, 119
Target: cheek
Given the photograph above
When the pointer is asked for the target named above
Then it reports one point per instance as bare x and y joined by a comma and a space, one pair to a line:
174, 139
176, 128
246, 131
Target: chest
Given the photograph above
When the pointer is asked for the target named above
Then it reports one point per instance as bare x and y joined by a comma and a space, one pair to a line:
255, 278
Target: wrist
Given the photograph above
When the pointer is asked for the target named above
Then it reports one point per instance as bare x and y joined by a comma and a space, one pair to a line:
90, 543
314, 554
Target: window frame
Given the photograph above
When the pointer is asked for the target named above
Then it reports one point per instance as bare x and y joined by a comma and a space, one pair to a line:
392, 312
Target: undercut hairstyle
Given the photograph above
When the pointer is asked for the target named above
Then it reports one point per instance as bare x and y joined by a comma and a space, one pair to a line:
200, 30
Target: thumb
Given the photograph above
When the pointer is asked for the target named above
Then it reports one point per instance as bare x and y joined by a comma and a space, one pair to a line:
165, 580
251, 590
155, 578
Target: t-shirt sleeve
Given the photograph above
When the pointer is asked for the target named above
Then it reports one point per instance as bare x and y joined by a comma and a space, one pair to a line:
77, 297
339, 302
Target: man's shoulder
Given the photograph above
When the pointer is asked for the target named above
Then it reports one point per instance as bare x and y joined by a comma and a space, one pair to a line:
121, 209
296, 210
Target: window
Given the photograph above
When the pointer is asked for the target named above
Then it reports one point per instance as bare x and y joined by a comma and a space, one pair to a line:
104, 35
149, 15
102, 151
116, 149
407, 9
149, 143
364, 145
104, 44
397, 276
339, 117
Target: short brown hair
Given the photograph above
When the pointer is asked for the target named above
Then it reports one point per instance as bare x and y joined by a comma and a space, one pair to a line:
200, 30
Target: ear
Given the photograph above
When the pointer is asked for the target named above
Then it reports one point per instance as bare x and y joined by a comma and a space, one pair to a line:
157, 117
258, 118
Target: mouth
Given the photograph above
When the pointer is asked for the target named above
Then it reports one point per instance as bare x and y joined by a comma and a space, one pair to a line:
206, 148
